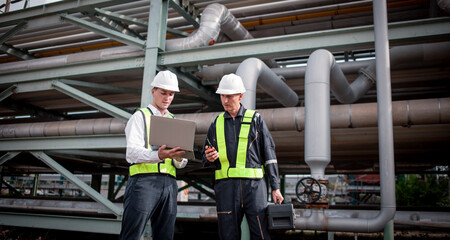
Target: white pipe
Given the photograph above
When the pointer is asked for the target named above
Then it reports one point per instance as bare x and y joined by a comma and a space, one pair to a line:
253, 71
362, 115
108, 53
317, 124
349, 93
321, 73
317, 112
214, 17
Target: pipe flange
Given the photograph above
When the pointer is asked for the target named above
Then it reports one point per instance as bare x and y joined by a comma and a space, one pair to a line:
369, 74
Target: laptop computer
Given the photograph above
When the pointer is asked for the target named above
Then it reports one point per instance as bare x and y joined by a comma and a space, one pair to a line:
174, 133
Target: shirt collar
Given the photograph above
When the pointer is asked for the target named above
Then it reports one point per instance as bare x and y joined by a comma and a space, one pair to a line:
156, 112
239, 114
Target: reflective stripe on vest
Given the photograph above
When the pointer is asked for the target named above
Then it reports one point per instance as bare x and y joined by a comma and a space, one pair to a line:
165, 167
240, 171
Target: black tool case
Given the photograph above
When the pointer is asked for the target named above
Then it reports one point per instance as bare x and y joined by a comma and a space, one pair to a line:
281, 216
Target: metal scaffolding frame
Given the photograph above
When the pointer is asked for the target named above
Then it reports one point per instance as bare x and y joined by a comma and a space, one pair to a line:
152, 59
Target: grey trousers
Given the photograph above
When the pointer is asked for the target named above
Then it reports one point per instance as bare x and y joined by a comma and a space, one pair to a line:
236, 197
149, 197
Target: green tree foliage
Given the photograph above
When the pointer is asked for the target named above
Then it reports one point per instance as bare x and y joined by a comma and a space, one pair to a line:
422, 190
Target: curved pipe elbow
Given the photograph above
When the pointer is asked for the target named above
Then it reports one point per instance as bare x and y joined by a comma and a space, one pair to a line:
214, 17
322, 68
318, 221
255, 72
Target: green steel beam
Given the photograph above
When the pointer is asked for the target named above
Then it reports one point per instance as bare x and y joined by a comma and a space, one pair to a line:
192, 16
75, 180
72, 70
11, 189
121, 185
7, 156
66, 223
305, 43
156, 39
15, 52
34, 86
187, 81
100, 86
91, 101
7, 92
123, 38
87, 153
67, 6
11, 32
120, 17
136, 21
177, 32
111, 141
21, 107
115, 25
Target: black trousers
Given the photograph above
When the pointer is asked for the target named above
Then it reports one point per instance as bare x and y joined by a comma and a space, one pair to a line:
149, 197
236, 197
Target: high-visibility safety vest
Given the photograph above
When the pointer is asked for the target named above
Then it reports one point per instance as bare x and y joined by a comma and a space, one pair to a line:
240, 171
165, 167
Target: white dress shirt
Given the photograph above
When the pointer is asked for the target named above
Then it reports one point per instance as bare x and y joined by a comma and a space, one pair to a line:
136, 151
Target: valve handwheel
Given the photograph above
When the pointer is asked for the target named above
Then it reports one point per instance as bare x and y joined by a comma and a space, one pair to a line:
308, 190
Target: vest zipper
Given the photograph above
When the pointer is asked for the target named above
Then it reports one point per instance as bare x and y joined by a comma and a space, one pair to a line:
234, 129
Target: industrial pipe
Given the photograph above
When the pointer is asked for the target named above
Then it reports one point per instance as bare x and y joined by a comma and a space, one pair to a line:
103, 54
214, 18
318, 155
322, 73
363, 115
401, 57
253, 71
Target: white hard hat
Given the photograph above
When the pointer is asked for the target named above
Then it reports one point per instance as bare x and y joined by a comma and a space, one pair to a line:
166, 80
231, 84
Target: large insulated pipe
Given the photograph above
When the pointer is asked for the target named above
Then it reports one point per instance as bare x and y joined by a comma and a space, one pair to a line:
215, 18
322, 73
253, 71
402, 57
103, 54
317, 112
349, 93
362, 115
317, 220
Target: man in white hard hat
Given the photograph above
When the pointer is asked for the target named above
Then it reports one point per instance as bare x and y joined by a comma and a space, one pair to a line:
241, 149
151, 192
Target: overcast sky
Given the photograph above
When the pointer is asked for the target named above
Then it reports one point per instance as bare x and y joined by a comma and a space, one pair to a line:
31, 3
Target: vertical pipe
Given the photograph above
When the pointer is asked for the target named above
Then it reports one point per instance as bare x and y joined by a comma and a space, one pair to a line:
317, 112
384, 98
389, 231
316, 154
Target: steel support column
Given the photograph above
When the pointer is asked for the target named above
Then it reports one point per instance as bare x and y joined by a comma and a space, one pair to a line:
156, 40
